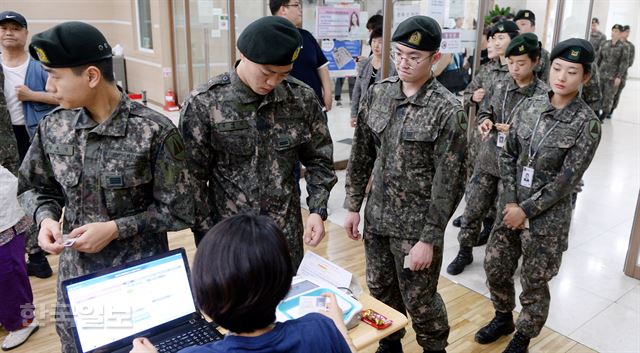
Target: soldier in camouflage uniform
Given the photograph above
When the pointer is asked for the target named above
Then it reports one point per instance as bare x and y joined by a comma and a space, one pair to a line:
494, 119
548, 149
117, 167
9, 157
596, 38
591, 90
632, 55
526, 21
411, 137
613, 62
244, 132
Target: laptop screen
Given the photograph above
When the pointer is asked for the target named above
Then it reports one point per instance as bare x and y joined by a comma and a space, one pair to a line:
122, 303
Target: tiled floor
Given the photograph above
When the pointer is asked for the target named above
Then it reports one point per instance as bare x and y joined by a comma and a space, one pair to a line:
593, 301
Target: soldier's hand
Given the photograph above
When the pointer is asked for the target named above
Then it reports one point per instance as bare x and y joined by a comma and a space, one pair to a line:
314, 230
351, 223
421, 256
478, 95
514, 217
23, 93
143, 345
617, 81
49, 236
485, 127
354, 121
93, 237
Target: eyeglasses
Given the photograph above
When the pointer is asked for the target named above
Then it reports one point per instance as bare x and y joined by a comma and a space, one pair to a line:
298, 5
413, 61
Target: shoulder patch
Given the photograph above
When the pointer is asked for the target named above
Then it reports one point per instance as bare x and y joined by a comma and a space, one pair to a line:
174, 145
461, 119
594, 129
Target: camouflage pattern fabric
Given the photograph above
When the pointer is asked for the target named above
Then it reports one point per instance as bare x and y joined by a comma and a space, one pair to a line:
406, 290
542, 69
573, 134
613, 62
632, 55
123, 169
591, 90
597, 39
415, 148
243, 148
9, 157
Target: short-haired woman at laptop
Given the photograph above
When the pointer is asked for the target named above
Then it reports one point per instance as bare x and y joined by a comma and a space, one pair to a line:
242, 270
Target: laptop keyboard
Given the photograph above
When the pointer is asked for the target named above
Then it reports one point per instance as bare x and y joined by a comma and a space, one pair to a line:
197, 336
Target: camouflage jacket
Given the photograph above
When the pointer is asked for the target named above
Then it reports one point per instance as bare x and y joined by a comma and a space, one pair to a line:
489, 73
631, 49
591, 90
597, 39
505, 97
243, 148
542, 69
9, 157
131, 168
613, 60
573, 134
415, 147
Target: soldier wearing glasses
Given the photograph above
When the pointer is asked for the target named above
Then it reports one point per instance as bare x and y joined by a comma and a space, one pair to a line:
411, 136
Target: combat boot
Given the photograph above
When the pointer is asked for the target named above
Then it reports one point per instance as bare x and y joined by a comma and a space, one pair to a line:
38, 266
387, 346
457, 222
501, 324
487, 226
464, 258
519, 344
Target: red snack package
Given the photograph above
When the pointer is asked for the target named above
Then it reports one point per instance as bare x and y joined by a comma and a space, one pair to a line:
371, 317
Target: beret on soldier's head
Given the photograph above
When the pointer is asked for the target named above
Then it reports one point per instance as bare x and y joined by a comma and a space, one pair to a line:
271, 40
626, 28
419, 32
525, 15
574, 50
595, 20
619, 27
504, 27
70, 44
522, 44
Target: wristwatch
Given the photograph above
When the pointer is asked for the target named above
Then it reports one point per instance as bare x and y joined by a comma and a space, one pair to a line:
322, 212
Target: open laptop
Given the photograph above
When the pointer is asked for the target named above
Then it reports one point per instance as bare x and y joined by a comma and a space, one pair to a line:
150, 297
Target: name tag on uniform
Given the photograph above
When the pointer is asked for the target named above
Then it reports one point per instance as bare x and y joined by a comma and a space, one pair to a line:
113, 181
502, 139
64, 150
527, 177
232, 125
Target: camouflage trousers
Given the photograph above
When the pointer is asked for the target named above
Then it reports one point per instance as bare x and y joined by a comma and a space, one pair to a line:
405, 290
608, 94
616, 99
541, 258
482, 190
31, 245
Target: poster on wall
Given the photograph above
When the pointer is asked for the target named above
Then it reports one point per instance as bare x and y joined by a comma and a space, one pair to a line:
344, 23
451, 41
436, 9
403, 11
340, 55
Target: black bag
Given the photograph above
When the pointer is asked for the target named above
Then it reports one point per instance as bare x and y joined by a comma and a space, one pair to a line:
455, 80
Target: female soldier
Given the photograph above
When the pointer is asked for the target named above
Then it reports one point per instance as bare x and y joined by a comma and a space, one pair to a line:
548, 149
368, 72
495, 116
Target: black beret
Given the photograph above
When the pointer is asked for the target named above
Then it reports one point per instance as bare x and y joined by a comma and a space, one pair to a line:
574, 50
522, 44
419, 32
70, 44
618, 27
271, 40
525, 15
596, 20
13, 16
626, 28
504, 27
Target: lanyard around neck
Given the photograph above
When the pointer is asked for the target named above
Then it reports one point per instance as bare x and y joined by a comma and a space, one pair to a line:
533, 153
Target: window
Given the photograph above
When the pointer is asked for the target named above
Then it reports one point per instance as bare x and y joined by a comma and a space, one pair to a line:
144, 25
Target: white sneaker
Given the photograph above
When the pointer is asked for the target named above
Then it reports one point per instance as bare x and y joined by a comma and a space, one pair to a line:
18, 337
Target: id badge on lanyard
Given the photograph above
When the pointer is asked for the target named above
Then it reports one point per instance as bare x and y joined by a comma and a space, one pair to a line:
502, 139
528, 172
527, 177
